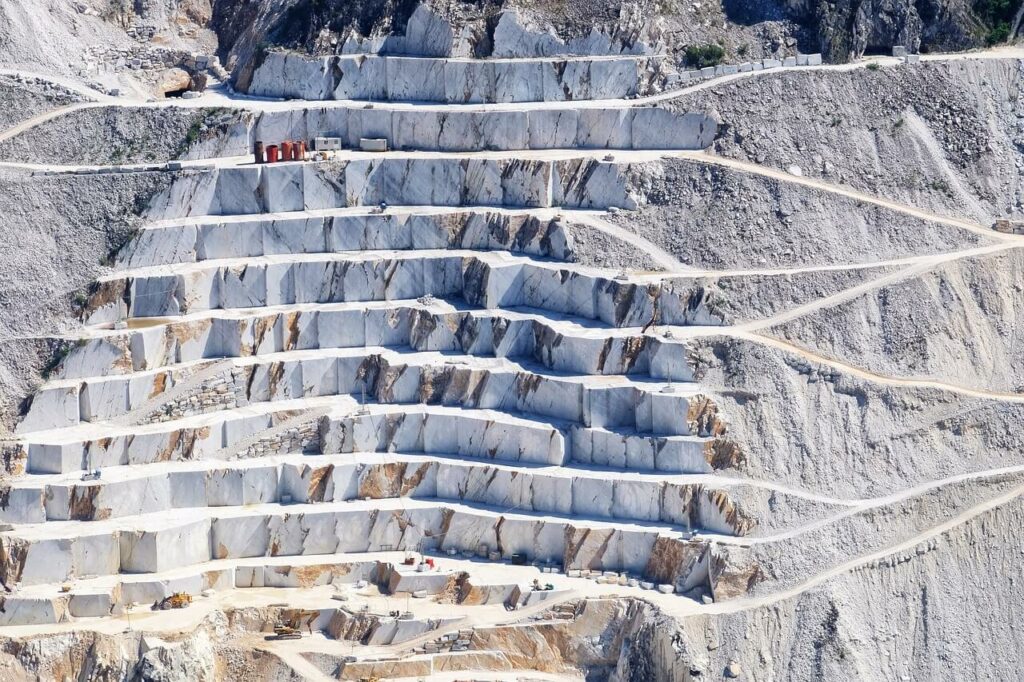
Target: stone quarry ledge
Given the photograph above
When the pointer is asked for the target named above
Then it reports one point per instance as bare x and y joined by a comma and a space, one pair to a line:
529, 232
424, 128
363, 211
400, 356
61, 550
433, 79
306, 582
64, 450
370, 255
85, 433
391, 375
577, 179
565, 324
559, 343
117, 473
482, 278
567, 491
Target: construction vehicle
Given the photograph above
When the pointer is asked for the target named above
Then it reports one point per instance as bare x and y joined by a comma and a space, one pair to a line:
291, 624
178, 600
287, 632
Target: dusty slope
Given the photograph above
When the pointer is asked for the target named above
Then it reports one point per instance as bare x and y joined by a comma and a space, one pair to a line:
116, 135
941, 136
57, 230
28, 97
713, 217
948, 612
959, 323
825, 430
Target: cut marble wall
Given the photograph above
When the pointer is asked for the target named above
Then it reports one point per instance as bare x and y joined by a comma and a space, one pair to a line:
429, 79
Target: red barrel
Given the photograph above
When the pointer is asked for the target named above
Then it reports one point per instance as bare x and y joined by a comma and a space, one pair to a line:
272, 154
286, 150
258, 151
300, 150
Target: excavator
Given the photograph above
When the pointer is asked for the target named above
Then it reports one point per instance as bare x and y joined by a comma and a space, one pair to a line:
290, 627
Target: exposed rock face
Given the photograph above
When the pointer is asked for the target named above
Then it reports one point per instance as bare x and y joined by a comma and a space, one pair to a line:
174, 81
841, 30
850, 28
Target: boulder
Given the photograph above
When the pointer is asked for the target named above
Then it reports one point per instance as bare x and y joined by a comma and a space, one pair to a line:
174, 80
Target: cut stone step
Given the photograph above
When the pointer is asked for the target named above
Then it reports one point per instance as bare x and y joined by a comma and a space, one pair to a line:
439, 129
556, 344
386, 375
484, 280
161, 487
65, 550
575, 182
429, 79
258, 236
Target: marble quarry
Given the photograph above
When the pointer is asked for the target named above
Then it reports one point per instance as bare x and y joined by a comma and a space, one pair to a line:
297, 370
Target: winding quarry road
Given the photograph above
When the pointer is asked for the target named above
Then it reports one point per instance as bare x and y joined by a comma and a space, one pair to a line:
757, 331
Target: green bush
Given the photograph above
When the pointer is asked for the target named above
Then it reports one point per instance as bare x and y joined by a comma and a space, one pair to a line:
996, 15
999, 33
700, 56
59, 352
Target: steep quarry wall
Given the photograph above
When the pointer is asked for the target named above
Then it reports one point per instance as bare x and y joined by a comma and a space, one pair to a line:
517, 183
524, 28
427, 79
122, 135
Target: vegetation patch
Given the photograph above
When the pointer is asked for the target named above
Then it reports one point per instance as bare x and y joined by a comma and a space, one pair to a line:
700, 56
998, 16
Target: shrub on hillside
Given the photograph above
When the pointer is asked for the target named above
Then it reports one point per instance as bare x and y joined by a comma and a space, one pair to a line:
699, 56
